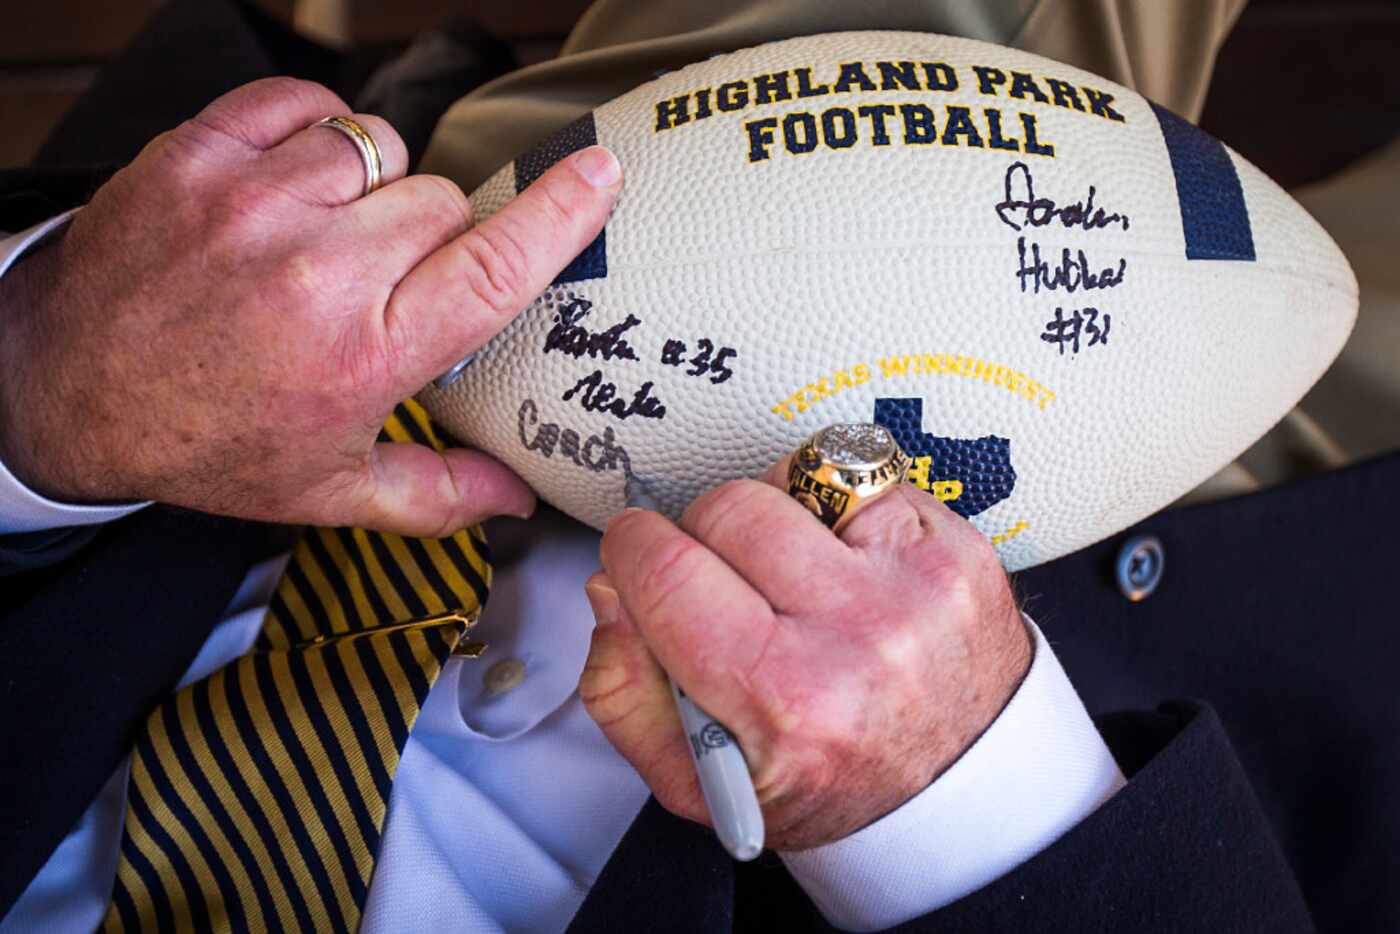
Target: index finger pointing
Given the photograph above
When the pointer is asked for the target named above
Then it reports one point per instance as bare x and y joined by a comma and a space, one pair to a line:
460, 296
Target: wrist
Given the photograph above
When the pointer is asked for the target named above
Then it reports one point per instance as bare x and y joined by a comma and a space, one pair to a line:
996, 682
1036, 771
1001, 676
978, 690
44, 457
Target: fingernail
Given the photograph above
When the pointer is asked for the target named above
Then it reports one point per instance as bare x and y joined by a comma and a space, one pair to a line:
617, 517
598, 166
604, 601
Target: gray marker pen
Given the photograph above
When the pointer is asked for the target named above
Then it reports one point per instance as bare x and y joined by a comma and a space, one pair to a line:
724, 775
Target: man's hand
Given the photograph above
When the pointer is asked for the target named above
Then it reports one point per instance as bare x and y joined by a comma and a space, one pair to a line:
852, 670
228, 323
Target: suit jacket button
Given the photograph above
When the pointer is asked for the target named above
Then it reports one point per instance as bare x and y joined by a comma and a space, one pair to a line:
1139, 566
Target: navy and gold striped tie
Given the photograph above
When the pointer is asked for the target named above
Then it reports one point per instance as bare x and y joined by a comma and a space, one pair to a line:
257, 795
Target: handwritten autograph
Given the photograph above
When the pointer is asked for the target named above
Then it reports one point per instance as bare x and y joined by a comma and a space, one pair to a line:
1071, 273
598, 453
570, 336
1021, 207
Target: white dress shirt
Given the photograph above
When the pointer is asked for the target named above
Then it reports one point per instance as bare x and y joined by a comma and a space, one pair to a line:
482, 834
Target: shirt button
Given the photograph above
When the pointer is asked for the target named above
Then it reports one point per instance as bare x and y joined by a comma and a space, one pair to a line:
1139, 567
504, 676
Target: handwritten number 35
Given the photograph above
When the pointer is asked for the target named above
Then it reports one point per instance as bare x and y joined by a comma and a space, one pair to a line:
706, 360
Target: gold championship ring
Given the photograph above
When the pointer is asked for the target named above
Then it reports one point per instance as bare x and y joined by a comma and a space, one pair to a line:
843, 468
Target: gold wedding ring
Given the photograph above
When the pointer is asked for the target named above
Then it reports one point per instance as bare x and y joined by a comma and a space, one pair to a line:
364, 144
844, 468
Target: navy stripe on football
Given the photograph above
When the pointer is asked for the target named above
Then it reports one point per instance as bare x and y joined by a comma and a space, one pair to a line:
981, 465
592, 263
1214, 217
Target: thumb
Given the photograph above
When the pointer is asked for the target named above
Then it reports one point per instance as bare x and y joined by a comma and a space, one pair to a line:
625, 691
467, 290
410, 489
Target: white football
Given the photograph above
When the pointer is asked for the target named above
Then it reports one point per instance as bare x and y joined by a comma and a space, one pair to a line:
1069, 305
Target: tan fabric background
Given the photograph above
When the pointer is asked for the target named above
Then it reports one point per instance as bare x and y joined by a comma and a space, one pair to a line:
1165, 49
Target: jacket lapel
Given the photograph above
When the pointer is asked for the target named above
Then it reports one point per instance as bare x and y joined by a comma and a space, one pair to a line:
89, 647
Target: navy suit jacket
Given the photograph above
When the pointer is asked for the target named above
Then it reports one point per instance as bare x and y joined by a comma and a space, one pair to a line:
1186, 845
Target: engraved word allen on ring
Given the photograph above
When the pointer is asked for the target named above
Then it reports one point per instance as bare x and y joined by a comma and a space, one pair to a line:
842, 468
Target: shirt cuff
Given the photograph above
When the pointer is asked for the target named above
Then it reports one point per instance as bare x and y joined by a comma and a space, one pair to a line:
21, 509
1038, 770
16, 245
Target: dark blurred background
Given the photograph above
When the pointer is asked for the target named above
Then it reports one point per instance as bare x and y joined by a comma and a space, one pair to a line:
1303, 87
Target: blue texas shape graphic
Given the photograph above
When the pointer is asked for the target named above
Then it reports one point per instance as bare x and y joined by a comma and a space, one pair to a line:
969, 475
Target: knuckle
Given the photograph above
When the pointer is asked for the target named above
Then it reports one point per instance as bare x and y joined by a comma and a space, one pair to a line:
188, 158
460, 487
297, 276
403, 331
676, 793
898, 516
667, 569
286, 86
957, 586
233, 220
555, 201
598, 684
448, 202
978, 548
607, 686
242, 198
247, 200
898, 649
283, 91
495, 267
172, 150
667, 797
238, 114
951, 585
732, 501
234, 114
